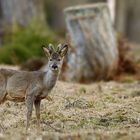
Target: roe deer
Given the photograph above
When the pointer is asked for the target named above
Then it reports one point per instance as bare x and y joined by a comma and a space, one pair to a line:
34, 86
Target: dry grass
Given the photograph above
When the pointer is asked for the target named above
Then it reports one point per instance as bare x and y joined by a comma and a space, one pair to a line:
97, 111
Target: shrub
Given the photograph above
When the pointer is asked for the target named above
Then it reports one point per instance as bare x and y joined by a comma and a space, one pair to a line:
24, 43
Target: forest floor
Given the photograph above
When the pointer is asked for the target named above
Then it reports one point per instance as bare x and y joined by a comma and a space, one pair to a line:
97, 111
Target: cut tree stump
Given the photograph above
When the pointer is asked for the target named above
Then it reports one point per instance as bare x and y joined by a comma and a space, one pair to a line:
94, 53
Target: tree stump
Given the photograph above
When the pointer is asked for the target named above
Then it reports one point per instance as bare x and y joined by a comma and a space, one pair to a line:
94, 54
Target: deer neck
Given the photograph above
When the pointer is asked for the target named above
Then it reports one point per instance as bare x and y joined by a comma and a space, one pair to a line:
50, 79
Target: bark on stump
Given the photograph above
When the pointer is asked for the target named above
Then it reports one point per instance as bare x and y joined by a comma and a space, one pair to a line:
94, 55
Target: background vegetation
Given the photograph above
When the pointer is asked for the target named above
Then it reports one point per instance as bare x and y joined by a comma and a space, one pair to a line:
20, 44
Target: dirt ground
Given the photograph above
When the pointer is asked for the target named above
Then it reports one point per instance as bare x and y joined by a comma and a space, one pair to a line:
98, 111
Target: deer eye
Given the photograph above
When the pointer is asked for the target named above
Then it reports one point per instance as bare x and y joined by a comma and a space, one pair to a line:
59, 59
50, 59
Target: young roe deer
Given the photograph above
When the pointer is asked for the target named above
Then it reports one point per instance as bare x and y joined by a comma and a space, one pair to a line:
34, 86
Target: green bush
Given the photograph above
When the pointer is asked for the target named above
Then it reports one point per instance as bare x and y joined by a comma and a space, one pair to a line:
24, 43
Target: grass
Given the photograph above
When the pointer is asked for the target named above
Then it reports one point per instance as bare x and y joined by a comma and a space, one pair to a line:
100, 114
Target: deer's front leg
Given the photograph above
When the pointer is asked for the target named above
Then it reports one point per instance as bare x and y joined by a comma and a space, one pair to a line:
37, 107
29, 104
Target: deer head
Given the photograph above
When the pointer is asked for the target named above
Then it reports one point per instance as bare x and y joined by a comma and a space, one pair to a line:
55, 56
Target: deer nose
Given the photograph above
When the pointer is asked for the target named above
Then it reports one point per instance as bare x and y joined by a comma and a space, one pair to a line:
54, 66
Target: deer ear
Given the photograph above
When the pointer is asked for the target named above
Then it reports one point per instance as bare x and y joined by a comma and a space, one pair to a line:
63, 50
